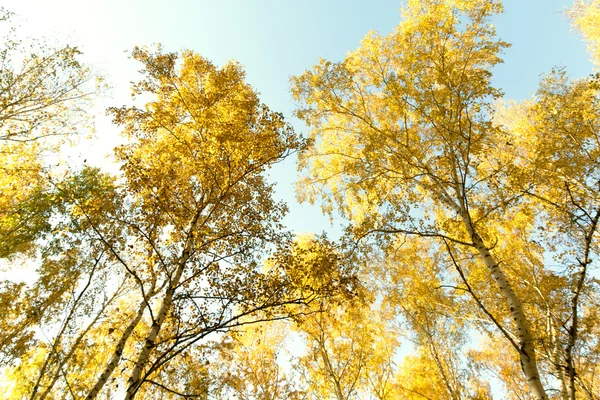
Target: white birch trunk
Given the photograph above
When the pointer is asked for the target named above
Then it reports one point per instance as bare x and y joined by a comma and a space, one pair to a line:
117, 354
527, 349
573, 329
133, 382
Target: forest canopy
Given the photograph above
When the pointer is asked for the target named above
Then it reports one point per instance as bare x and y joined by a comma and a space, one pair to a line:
467, 268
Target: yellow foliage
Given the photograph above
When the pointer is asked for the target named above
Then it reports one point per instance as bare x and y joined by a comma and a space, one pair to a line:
585, 15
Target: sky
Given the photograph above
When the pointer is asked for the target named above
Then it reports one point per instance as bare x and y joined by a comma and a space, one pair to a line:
274, 40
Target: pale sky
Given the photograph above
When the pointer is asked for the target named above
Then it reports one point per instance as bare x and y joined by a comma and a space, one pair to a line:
275, 39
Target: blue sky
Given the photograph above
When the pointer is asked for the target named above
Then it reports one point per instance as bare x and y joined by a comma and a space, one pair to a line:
275, 39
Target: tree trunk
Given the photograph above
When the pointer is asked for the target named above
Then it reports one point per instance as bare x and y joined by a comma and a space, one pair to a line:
556, 360
573, 329
117, 354
133, 383
527, 349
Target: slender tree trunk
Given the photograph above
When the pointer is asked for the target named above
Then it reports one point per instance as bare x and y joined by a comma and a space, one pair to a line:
527, 349
454, 395
339, 394
556, 361
133, 383
60, 367
117, 354
58, 338
573, 329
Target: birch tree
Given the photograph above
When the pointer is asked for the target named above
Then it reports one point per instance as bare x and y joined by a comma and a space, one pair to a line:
45, 94
431, 309
561, 127
252, 363
183, 237
403, 137
199, 202
584, 15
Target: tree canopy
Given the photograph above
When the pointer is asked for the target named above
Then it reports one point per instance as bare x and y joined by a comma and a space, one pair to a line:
468, 264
